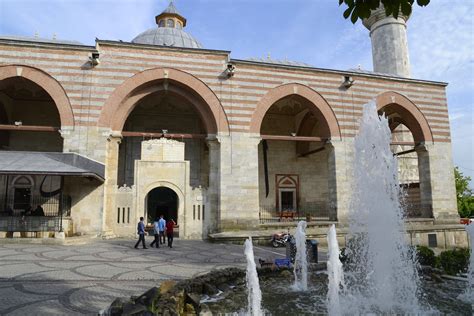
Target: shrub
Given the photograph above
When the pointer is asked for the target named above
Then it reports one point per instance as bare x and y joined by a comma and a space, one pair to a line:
454, 261
425, 256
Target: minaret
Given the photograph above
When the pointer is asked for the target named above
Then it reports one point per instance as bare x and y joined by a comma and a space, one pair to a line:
389, 43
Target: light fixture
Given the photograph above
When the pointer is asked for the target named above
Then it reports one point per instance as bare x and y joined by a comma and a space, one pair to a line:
18, 123
293, 134
348, 82
230, 70
94, 59
164, 131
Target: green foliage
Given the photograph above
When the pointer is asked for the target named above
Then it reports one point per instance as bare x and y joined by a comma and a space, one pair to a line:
425, 256
454, 261
360, 9
464, 194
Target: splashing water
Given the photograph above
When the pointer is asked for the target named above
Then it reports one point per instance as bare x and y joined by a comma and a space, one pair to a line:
301, 260
382, 275
468, 295
335, 273
253, 285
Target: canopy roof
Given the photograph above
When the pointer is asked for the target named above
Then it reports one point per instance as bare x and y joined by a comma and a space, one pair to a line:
67, 164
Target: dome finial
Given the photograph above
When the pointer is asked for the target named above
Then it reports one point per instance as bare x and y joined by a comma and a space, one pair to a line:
170, 17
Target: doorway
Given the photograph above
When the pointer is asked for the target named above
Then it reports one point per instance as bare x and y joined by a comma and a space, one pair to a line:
162, 201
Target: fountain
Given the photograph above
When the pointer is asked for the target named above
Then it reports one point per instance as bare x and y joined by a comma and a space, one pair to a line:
382, 275
380, 272
468, 295
253, 286
301, 259
335, 273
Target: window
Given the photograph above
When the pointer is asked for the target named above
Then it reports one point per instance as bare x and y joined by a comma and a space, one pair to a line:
169, 23
22, 198
161, 23
179, 25
287, 200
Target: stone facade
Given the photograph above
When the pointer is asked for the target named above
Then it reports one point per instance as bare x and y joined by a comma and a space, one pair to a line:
114, 111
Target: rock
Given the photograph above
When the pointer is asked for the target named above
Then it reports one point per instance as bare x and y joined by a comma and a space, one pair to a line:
224, 287
193, 299
205, 311
148, 297
166, 286
209, 289
134, 309
286, 274
116, 308
189, 309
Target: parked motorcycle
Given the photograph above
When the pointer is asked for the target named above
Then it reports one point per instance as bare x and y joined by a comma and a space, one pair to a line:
280, 239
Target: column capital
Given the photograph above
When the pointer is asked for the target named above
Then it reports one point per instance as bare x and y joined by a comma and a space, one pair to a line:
115, 136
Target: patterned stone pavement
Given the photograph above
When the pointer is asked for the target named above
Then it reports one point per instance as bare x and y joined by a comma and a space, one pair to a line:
83, 279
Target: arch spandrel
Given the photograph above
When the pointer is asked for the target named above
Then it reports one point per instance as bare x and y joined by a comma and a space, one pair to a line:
411, 116
119, 102
320, 107
46, 82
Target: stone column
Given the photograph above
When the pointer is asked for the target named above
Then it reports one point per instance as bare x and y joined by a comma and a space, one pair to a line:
110, 184
437, 185
425, 184
214, 184
340, 173
239, 194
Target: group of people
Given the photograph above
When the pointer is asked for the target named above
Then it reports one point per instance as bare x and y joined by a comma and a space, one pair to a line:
38, 211
161, 228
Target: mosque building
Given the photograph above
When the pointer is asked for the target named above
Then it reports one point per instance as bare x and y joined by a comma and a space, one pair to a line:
97, 136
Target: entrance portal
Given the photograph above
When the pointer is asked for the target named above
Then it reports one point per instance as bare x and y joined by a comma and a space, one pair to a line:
162, 201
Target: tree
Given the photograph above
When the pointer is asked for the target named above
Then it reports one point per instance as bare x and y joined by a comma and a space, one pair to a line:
464, 194
361, 9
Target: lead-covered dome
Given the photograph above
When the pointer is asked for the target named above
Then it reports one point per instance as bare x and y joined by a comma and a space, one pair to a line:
169, 31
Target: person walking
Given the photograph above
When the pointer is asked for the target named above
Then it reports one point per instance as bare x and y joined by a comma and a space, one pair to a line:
169, 232
141, 233
156, 232
161, 228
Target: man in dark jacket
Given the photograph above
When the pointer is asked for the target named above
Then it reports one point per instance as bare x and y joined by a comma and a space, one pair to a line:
141, 233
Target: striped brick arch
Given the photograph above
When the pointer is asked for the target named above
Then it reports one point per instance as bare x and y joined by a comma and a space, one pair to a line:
124, 99
48, 83
319, 108
410, 115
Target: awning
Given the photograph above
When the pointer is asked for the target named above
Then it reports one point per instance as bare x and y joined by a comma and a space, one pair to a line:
45, 163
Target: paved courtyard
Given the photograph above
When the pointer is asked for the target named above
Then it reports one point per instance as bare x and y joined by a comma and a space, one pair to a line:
83, 279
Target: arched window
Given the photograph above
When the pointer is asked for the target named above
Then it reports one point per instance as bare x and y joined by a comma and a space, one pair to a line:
179, 25
161, 23
22, 193
169, 23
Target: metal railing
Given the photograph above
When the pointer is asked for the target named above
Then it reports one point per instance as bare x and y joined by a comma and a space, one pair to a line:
30, 223
22, 217
311, 210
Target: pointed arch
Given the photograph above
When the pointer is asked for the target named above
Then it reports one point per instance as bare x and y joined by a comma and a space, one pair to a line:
320, 108
410, 115
124, 99
48, 83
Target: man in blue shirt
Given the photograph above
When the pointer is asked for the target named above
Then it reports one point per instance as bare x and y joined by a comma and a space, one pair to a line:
162, 227
156, 232
141, 233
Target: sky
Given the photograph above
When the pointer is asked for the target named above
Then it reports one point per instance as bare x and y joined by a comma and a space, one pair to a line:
440, 38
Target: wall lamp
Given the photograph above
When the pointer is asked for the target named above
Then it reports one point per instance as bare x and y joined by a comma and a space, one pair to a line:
94, 59
348, 82
230, 70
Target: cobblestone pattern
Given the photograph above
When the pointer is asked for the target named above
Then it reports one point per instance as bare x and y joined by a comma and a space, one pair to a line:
81, 280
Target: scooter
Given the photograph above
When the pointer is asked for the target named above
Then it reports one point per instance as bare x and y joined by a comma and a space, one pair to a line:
280, 239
